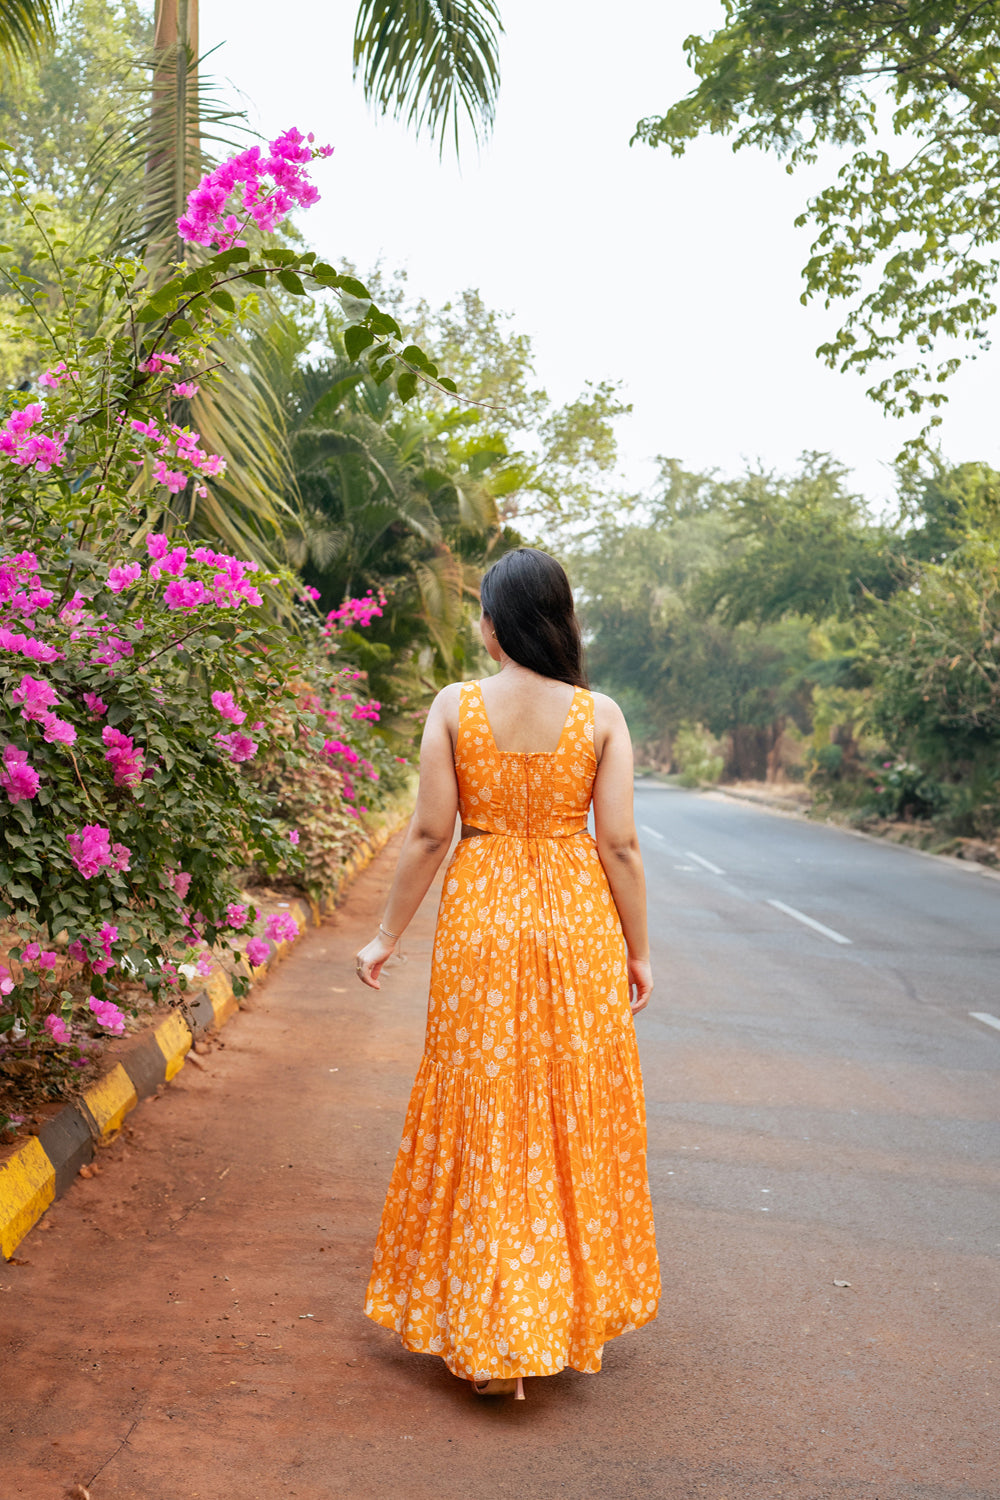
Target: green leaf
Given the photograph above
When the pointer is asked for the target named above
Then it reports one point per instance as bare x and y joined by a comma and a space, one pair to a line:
406, 385
182, 328
223, 299
447, 382
357, 339
355, 287
227, 258
384, 323
291, 283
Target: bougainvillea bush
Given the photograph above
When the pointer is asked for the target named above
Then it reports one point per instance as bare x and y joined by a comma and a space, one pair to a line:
158, 697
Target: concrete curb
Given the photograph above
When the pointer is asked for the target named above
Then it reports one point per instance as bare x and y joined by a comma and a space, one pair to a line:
42, 1168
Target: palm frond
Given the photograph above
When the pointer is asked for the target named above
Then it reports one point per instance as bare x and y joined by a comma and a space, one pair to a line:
430, 61
25, 27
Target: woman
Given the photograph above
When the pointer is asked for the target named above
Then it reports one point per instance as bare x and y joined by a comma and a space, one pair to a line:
517, 1235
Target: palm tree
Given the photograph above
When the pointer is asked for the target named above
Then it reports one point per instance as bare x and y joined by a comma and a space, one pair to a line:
25, 26
430, 61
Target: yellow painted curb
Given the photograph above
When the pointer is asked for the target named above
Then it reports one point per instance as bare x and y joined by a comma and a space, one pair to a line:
219, 990
174, 1040
110, 1099
27, 1187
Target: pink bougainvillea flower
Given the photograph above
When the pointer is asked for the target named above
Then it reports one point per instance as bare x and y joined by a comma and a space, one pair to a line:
157, 545
155, 362
226, 705
185, 594
239, 746
30, 953
125, 760
181, 882
101, 965
236, 914
186, 389
77, 951
210, 217
95, 705
204, 965
91, 849
56, 731
281, 927
58, 1030
56, 376
6, 983
34, 696
369, 711
120, 856
309, 593
123, 577
173, 562
293, 836
30, 449
174, 479
107, 935
257, 951
108, 1015
48, 959
18, 779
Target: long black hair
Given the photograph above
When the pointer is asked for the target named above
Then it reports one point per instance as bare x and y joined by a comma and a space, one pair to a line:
527, 599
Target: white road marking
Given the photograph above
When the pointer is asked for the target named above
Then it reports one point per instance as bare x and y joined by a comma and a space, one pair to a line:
646, 829
713, 869
800, 916
987, 1020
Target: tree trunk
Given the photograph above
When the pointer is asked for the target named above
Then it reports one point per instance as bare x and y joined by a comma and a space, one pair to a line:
174, 114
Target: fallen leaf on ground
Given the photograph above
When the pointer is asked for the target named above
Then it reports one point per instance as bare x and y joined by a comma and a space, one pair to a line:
841, 1283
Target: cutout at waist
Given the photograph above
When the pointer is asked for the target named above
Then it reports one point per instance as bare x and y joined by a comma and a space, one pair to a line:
468, 832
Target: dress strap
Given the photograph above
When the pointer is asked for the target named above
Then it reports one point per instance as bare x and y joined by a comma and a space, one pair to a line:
580, 724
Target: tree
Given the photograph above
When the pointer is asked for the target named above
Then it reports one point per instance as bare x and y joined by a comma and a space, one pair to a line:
904, 239
801, 544
653, 637
430, 61
25, 26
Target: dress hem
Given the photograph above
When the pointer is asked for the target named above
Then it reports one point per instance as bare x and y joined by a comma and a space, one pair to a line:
511, 1369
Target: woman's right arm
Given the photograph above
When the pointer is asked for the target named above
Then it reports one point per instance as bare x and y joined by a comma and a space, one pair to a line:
427, 838
618, 842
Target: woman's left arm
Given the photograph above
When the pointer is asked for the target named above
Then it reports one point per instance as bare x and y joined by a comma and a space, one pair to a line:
428, 837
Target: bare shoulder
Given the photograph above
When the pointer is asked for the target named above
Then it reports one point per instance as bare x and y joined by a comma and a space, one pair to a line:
444, 709
609, 722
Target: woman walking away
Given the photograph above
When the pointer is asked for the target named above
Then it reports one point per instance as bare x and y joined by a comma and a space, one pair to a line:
517, 1235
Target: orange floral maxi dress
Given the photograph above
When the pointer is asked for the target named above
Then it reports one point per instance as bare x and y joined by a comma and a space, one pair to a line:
517, 1235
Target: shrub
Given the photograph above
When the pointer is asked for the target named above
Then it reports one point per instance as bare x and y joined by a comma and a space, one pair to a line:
144, 677
697, 756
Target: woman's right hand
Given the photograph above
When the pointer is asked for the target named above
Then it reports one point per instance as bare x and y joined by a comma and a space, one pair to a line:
640, 983
368, 963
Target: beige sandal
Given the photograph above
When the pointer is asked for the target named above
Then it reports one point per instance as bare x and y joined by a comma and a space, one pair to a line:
500, 1387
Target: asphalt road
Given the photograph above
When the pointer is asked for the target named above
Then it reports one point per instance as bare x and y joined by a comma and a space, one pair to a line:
823, 1153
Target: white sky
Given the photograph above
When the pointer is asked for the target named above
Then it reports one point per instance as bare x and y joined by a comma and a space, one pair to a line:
679, 277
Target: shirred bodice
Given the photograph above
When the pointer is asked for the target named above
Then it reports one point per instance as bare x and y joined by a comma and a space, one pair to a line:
536, 794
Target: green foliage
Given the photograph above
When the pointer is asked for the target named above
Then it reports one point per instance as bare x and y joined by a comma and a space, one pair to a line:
800, 545
696, 755
25, 26
430, 61
935, 649
905, 240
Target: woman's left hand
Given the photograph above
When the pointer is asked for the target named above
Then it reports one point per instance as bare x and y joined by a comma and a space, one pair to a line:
368, 963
